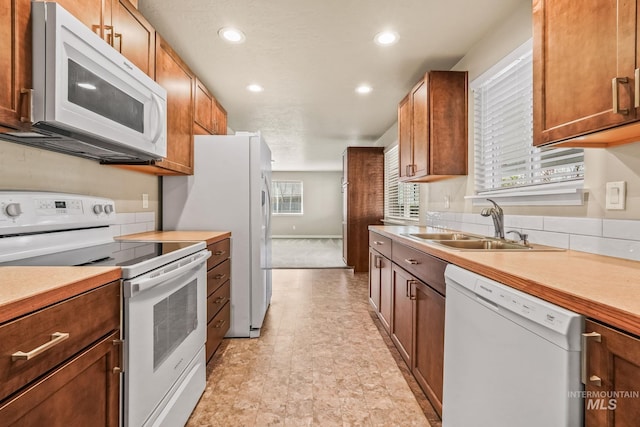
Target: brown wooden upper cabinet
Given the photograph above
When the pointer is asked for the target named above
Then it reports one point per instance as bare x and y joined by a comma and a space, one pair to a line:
132, 35
586, 80
203, 118
220, 118
180, 82
432, 128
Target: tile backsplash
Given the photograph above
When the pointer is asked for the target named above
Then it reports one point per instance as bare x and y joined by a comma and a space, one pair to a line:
611, 237
134, 222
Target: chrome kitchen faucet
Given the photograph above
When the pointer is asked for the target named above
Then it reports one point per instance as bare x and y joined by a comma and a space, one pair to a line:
497, 215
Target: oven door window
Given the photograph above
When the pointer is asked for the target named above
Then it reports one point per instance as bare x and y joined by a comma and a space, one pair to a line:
174, 318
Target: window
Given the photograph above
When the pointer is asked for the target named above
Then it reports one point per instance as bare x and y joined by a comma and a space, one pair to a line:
505, 158
401, 200
286, 197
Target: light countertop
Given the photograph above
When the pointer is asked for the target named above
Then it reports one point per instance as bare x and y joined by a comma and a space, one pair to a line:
600, 287
27, 289
166, 236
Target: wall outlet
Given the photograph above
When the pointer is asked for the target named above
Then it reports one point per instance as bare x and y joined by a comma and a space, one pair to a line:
145, 201
615, 195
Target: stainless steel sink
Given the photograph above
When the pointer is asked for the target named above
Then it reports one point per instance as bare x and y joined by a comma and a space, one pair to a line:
484, 244
489, 245
440, 236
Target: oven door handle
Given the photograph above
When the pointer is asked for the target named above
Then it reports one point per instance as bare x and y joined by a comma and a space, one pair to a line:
135, 286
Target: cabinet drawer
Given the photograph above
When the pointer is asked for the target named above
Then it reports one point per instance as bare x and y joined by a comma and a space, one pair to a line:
86, 318
218, 299
219, 252
218, 275
425, 267
380, 243
82, 392
217, 327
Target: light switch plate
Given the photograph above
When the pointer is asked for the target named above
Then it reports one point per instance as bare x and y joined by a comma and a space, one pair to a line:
615, 195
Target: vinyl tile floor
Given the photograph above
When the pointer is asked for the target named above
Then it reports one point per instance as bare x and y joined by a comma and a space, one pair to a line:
322, 360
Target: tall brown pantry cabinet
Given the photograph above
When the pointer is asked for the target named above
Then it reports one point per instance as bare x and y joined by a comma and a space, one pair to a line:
362, 202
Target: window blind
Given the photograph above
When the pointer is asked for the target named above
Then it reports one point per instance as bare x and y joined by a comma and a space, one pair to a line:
401, 200
505, 157
286, 197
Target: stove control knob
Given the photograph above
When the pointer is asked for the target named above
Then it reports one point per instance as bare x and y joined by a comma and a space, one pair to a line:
13, 210
97, 209
108, 209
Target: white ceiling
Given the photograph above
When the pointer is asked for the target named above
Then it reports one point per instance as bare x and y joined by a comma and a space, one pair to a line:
310, 55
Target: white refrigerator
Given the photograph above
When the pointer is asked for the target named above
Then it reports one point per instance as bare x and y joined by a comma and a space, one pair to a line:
230, 191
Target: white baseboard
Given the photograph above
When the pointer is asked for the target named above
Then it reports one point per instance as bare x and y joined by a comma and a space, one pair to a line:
282, 236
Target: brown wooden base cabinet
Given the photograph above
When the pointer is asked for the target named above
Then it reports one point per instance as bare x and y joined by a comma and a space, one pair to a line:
75, 382
612, 365
380, 276
218, 294
407, 290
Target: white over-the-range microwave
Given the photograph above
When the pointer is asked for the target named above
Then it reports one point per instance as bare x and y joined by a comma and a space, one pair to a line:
88, 100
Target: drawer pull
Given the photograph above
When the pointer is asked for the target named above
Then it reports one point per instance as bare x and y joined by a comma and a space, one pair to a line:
411, 261
219, 276
377, 242
220, 323
219, 300
218, 253
614, 86
56, 338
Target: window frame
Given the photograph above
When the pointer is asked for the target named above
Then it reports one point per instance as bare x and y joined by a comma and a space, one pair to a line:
564, 192
273, 197
405, 190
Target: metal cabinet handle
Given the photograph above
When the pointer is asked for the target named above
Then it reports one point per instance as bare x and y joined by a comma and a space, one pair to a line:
636, 95
378, 261
411, 261
219, 300
28, 94
218, 253
220, 323
219, 276
614, 87
593, 379
56, 338
378, 242
408, 293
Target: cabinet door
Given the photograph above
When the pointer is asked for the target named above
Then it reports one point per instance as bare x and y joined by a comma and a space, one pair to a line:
420, 135
613, 365
375, 263
405, 148
386, 284
92, 13
203, 118
174, 75
220, 118
401, 315
133, 36
15, 60
578, 51
82, 392
428, 344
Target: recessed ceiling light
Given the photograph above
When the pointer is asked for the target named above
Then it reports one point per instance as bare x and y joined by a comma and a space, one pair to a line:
232, 35
386, 38
364, 89
255, 88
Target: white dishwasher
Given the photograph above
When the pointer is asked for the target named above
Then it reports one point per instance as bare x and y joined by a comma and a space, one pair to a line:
510, 359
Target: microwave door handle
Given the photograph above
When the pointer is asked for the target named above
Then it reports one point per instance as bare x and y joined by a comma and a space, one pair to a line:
134, 287
159, 114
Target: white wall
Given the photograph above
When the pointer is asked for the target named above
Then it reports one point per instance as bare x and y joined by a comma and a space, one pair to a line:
322, 206
28, 168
